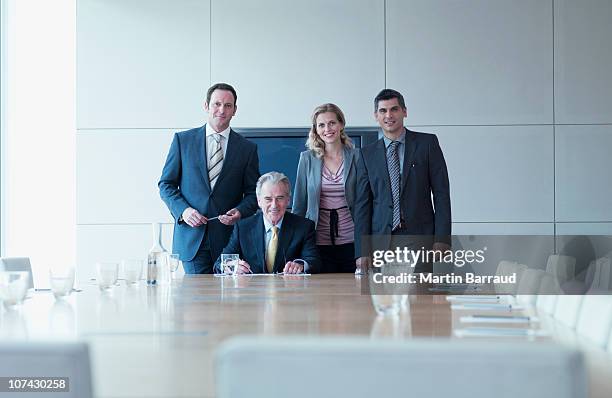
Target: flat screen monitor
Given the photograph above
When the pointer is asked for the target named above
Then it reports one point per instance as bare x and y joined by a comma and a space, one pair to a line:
279, 149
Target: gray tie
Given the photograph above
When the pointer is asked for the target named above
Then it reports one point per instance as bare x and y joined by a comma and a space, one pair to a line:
215, 158
393, 164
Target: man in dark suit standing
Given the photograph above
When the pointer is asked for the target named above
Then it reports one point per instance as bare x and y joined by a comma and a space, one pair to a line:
274, 240
210, 171
397, 177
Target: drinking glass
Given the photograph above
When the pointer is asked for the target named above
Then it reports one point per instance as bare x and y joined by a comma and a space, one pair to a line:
13, 287
386, 297
165, 265
61, 280
387, 304
174, 262
229, 263
107, 275
132, 271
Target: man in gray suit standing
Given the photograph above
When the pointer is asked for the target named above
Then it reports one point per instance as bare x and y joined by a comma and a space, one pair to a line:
397, 177
210, 171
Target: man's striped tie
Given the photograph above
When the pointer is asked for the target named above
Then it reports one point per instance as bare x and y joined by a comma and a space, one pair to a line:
215, 158
393, 164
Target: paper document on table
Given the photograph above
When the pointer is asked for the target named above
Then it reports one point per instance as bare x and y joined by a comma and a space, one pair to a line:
498, 319
486, 306
474, 299
499, 332
462, 287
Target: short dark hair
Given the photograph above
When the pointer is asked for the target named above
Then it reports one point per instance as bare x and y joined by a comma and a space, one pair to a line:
387, 94
221, 86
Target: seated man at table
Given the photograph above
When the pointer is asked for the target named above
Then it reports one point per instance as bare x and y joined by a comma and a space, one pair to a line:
273, 240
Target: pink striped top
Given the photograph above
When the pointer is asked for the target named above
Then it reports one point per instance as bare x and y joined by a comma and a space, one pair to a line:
332, 197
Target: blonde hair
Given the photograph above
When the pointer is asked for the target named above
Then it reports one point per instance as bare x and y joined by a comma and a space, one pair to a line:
314, 142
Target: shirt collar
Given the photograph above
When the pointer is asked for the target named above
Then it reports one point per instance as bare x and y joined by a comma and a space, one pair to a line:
401, 139
268, 226
224, 133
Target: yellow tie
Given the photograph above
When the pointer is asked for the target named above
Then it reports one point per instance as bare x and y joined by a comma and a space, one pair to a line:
271, 250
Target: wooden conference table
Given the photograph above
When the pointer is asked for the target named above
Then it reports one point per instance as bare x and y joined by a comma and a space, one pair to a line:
160, 341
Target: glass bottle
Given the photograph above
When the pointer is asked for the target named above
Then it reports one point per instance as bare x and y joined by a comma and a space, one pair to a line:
155, 259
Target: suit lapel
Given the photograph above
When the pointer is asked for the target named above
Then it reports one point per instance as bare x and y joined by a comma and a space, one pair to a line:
286, 236
258, 234
348, 161
233, 149
201, 154
380, 157
317, 166
409, 150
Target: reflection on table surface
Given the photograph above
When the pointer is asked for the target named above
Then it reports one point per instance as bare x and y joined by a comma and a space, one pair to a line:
159, 341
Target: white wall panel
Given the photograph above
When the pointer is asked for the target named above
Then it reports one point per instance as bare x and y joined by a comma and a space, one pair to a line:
471, 62
583, 60
503, 229
601, 228
285, 58
117, 176
113, 243
583, 165
499, 174
142, 63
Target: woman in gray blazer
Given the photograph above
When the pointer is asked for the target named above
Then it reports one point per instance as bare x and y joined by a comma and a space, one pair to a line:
325, 188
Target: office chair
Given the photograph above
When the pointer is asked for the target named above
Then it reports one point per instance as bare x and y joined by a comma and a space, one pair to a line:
306, 367
529, 286
595, 318
567, 309
507, 268
18, 264
48, 359
562, 267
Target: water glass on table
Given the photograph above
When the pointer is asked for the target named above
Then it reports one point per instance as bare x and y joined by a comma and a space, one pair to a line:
387, 304
229, 263
13, 287
173, 263
106, 275
132, 271
61, 280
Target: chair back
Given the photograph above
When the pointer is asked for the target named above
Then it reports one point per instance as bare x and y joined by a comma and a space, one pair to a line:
309, 367
18, 264
547, 300
49, 359
595, 318
567, 309
529, 286
562, 267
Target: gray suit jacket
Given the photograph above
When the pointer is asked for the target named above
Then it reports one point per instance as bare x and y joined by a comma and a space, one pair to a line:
308, 183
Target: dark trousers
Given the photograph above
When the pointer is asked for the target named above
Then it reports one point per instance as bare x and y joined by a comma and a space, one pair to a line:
337, 258
203, 262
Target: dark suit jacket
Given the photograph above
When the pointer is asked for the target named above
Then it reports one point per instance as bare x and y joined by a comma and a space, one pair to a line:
184, 183
424, 173
296, 239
